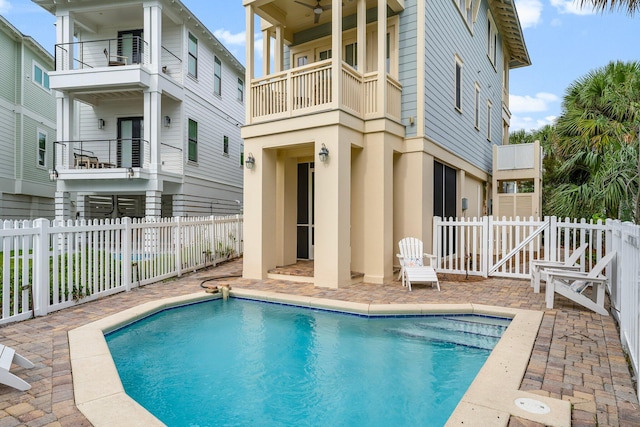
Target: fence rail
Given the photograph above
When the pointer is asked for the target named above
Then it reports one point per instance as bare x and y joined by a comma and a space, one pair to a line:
504, 247
47, 266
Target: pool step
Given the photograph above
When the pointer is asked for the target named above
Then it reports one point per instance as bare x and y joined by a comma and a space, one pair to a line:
460, 324
440, 334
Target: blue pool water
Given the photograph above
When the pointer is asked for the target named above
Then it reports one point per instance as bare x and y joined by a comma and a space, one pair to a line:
242, 362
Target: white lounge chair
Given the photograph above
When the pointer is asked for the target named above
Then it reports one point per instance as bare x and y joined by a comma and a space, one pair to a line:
8, 356
412, 265
538, 266
572, 284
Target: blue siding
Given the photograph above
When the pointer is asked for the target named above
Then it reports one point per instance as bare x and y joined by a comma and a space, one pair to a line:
447, 35
407, 63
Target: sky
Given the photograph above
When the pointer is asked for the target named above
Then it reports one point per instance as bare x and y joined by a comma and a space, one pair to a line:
565, 43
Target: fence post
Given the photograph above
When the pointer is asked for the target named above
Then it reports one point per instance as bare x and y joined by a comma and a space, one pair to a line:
212, 248
487, 245
177, 247
127, 259
237, 242
41, 280
553, 239
436, 239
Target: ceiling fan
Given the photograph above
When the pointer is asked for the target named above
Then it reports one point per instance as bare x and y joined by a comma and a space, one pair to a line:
317, 9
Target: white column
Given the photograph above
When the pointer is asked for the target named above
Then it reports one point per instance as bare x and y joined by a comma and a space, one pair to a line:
179, 208
266, 53
63, 205
151, 130
64, 131
279, 50
153, 206
64, 35
152, 35
382, 57
81, 207
361, 35
249, 55
336, 49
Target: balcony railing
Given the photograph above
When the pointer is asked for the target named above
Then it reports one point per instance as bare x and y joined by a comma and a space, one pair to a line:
309, 88
102, 154
171, 64
101, 53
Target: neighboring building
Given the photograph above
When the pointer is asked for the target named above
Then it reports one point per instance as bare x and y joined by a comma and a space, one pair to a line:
517, 180
408, 113
27, 126
150, 107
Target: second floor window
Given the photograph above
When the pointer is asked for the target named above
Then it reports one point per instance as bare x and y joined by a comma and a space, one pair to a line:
193, 141
240, 90
458, 85
492, 40
476, 106
225, 145
217, 76
193, 55
42, 148
489, 120
40, 76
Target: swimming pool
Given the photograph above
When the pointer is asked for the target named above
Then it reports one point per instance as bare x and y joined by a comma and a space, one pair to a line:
244, 362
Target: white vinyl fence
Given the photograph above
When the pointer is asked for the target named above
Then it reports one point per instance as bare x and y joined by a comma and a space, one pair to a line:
48, 266
504, 247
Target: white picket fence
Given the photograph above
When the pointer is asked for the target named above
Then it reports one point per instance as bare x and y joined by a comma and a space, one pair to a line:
48, 266
504, 247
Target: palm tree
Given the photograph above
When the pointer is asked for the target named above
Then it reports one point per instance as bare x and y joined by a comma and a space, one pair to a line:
597, 145
631, 6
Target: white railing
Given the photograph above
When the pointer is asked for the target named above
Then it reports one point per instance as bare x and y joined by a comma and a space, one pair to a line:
394, 98
48, 266
504, 247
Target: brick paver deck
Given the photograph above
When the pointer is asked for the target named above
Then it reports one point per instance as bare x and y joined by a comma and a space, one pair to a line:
577, 354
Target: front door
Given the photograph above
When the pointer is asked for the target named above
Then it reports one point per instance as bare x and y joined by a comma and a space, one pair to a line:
130, 46
129, 146
306, 177
444, 197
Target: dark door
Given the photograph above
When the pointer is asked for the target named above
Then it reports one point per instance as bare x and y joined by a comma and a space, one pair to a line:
130, 46
444, 196
305, 219
129, 138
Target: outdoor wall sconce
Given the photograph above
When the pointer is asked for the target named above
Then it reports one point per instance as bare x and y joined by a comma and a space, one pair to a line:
101, 123
130, 173
53, 175
250, 161
167, 121
324, 153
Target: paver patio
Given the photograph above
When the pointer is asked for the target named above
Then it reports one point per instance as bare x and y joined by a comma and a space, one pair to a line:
577, 355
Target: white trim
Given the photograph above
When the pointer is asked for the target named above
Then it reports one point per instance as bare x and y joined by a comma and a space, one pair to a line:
44, 72
458, 85
40, 131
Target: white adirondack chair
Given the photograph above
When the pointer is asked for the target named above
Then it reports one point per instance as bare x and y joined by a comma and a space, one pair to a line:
7, 357
571, 284
412, 263
539, 266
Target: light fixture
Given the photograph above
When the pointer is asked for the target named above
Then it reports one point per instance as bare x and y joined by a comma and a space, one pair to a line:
250, 161
101, 123
130, 173
53, 175
324, 153
167, 121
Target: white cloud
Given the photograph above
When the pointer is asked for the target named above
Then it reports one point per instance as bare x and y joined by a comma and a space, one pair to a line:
228, 38
4, 6
529, 123
531, 104
572, 7
529, 12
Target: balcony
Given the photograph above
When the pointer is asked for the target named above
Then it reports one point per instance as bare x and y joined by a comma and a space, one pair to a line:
112, 159
308, 89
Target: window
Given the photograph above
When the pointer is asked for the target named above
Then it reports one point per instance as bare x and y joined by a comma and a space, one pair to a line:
225, 145
193, 56
241, 155
42, 148
466, 10
322, 55
476, 107
489, 105
240, 90
217, 76
40, 76
351, 54
458, 85
193, 141
516, 187
492, 40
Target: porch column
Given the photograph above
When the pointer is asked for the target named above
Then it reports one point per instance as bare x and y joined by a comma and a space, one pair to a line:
249, 56
287, 192
150, 147
152, 36
178, 205
64, 35
81, 206
361, 35
63, 205
336, 48
266, 52
259, 213
153, 204
278, 64
332, 249
64, 131
382, 58
379, 245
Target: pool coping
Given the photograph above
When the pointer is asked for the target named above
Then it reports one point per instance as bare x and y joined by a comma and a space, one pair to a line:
490, 399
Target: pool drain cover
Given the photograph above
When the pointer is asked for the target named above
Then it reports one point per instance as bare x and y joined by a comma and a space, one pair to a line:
533, 406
